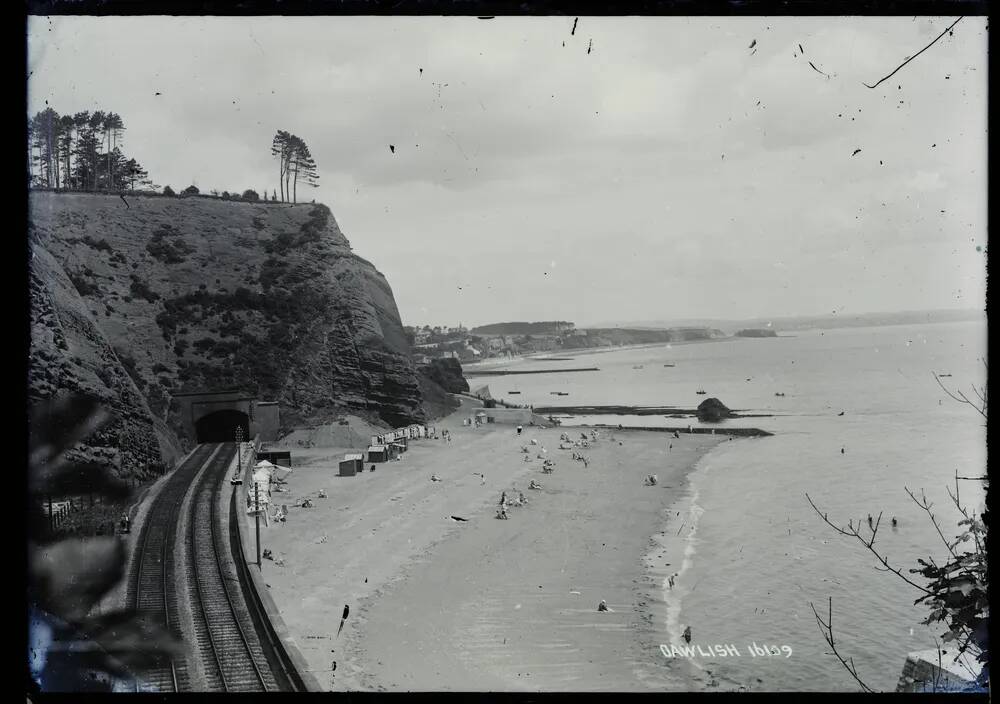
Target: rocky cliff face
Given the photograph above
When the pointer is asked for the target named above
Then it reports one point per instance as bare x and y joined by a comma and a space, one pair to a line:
68, 354
198, 293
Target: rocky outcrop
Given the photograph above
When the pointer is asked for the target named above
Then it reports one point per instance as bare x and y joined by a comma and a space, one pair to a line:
446, 373
712, 410
201, 293
69, 354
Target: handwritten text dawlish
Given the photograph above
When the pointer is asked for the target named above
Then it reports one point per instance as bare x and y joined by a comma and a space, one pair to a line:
726, 650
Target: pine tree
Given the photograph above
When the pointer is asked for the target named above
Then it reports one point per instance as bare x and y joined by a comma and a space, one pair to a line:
281, 147
304, 167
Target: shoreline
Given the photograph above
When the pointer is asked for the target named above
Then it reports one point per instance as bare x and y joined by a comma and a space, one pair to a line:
482, 604
535, 356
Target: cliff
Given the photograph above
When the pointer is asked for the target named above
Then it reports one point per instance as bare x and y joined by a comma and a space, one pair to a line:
199, 293
611, 337
68, 354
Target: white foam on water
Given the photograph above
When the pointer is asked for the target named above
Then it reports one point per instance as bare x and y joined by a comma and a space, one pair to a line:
673, 597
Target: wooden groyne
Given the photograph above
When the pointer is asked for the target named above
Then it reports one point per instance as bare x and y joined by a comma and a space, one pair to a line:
505, 372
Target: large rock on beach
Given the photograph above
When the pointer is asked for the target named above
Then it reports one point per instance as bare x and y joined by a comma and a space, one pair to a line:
712, 410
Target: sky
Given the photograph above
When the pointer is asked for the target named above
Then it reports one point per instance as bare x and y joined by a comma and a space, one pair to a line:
633, 169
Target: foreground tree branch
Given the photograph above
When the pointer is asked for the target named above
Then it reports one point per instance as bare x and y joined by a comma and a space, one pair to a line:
853, 531
827, 629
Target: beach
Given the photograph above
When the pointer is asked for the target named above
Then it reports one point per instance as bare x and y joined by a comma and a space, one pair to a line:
482, 604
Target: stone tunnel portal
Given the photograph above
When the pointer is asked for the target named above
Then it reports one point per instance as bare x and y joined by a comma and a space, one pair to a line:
221, 426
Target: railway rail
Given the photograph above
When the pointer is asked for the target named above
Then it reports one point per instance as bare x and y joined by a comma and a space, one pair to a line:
223, 621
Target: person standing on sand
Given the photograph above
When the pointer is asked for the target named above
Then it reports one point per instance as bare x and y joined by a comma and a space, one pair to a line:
687, 634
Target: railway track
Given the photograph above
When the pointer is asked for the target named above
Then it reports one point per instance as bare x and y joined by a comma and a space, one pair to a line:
151, 585
232, 657
221, 631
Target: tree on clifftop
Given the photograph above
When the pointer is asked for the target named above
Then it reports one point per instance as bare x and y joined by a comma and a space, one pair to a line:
81, 152
294, 162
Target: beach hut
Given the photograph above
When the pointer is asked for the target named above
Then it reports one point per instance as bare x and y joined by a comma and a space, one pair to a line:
352, 464
480, 416
378, 453
398, 448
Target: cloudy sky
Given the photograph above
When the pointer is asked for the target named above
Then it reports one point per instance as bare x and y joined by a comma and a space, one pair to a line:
637, 169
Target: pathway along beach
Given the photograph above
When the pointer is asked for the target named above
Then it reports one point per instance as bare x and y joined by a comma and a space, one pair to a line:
483, 604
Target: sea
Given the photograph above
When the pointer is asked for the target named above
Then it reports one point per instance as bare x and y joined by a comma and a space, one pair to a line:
860, 421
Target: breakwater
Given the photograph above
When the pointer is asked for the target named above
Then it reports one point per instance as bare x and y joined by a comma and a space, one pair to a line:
504, 372
669, 411
742, 432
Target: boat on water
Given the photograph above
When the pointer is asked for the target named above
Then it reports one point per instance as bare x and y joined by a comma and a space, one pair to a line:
779, 393
638, 366
670, 365
700, 392
513, 392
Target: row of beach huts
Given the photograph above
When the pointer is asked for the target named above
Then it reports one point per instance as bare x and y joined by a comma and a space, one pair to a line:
384, 448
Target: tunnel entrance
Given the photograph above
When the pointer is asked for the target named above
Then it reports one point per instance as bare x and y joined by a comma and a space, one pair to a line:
220, 426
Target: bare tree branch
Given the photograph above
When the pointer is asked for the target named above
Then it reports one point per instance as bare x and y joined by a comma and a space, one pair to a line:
853, 532
926, 506
914, 56
960, 397
826, 628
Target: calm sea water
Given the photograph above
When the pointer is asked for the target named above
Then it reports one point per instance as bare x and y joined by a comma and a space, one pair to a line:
754, 553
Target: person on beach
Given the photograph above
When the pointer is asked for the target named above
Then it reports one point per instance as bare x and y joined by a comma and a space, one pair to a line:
687, 634
519, 429
372, 469
603, 606
534, 485
893, 522
670, 580
125, 523
869, 520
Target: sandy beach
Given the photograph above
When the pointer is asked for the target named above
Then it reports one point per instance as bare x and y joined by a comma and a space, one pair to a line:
482, 604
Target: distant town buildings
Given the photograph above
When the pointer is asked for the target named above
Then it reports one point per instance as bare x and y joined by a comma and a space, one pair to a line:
502, 340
